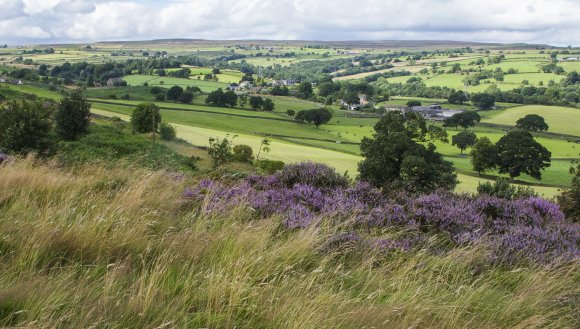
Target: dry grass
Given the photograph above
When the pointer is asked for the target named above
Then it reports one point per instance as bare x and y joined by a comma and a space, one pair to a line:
118, 249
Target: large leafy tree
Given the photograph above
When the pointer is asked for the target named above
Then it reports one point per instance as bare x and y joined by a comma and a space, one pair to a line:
463, 140
73, 116
305, 89
483, 101
483, 155
464, 119
25, 127
174, 92
318, 116
145, 118
457, 97
532, 122
518, 152
401, 155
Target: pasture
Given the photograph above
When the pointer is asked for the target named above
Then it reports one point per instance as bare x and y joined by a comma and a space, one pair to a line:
153, 80
562, 120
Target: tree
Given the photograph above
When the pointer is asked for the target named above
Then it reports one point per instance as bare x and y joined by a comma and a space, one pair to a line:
174, 92
464, 140
243, 100
483, 155
464, 119
230, 98
327, 88
256, 102
290, 113
519, 153
318, 116
25, 127
457, 97
268, 105
145, 118
215, 70
305, 90
483, 101
73, 116
186, 97
396, 158
351, 98
220, 151
532, 122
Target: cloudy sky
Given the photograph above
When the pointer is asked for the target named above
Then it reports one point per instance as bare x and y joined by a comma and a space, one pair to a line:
555, 22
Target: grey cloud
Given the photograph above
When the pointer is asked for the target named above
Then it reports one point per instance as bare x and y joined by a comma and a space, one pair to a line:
474, 20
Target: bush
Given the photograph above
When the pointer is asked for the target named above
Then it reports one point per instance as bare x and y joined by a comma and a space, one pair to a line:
269, 166
502, 188
186, 97
25, 127
220, 151
156, 90
73, 116
144, 116
166, 131
160, 97
313, 174
243, 153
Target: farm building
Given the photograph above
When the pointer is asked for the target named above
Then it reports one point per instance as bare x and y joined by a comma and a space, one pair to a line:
434, 112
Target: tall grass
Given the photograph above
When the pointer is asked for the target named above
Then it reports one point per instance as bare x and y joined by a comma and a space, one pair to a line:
117, 248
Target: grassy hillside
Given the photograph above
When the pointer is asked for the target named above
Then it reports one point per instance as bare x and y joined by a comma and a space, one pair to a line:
563, 120
119, 248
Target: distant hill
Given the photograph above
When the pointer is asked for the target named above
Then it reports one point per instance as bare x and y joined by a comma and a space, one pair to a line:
368, 44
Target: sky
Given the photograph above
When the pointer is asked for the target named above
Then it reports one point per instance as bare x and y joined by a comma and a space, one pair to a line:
554, 22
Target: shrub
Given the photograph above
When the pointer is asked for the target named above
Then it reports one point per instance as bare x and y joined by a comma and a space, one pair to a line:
25, 127
269, 166
502, 188
73, 116
166, 131
220, 151
160, 97
313, 174
156, 90
243, 153
186, 97
145, 118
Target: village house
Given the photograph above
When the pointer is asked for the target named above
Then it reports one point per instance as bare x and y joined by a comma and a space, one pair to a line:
245, 85
283, 82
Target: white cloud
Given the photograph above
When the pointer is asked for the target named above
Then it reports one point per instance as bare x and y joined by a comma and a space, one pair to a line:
542, 21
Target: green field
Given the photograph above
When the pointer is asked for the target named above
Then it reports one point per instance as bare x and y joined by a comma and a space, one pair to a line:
563, 120
205, 86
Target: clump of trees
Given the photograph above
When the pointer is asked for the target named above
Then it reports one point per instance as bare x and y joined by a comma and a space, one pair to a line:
401, 155
220, 98
514, 154
317, 116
